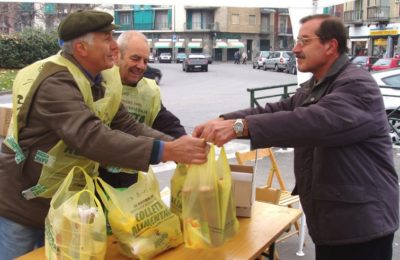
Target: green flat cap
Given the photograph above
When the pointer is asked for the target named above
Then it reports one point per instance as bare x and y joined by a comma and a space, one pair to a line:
85, 21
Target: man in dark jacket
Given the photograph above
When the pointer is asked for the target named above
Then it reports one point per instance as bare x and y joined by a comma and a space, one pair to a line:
68, 112
343, 157
141, 97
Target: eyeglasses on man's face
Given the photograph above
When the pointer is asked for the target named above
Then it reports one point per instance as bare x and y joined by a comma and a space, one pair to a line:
302, 41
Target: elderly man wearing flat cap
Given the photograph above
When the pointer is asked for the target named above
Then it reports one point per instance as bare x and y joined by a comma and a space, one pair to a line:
67, 112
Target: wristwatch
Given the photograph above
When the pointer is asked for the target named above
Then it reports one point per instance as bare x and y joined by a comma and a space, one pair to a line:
238, 127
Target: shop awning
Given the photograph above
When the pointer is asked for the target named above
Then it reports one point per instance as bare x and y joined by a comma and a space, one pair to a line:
235, 45
221, 45
179, 45
159, 45
193, 45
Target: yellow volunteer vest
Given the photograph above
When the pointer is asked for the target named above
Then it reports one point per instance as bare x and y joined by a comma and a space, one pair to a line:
143, 101
60, 159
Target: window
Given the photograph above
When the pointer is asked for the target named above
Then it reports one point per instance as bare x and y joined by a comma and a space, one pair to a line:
235, 18
125, 18
252, 19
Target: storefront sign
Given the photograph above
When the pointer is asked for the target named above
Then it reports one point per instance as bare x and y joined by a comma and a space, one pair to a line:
383, 32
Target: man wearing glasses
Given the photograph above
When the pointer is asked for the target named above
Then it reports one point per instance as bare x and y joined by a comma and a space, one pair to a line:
343, 159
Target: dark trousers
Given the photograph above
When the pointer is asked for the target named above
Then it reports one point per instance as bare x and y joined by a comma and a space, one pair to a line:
377, 249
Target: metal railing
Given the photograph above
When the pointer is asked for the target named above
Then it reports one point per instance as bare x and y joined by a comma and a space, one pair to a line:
285, 92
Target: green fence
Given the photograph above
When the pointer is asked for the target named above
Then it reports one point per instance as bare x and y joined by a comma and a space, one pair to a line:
256, 94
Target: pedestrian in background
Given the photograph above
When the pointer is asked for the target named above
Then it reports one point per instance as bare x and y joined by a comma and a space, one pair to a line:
343, 157
244, 57
237, 57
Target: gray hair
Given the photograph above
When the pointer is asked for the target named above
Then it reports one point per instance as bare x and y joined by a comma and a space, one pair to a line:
126, 36
67, 46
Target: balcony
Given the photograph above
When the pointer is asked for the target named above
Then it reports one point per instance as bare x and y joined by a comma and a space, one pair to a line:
162, 26
353, 17
285, 31
266, 29
380, 14
201, 26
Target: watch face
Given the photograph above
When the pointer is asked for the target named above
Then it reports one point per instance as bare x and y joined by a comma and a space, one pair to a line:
238, 127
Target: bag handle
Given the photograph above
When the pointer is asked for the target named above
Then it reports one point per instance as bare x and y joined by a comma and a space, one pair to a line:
68, 180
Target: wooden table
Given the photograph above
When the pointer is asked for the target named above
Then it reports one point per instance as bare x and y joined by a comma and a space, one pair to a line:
255, 235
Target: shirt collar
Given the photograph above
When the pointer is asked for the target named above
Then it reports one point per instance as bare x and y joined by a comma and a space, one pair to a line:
96, 80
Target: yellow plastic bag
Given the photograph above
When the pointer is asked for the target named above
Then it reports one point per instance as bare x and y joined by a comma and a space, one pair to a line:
177, 181
75, 227
142, 223
208, 209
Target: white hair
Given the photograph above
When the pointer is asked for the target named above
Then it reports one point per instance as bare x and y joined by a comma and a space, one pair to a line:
124, 38
67, 46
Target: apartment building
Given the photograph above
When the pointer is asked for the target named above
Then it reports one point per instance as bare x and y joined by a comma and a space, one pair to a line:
219, 31
374, 27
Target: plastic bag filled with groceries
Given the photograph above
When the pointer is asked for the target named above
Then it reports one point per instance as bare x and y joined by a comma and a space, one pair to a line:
139, 219
177, 181
208, 208
75, 226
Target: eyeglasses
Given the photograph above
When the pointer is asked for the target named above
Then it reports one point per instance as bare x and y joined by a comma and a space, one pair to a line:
305, 40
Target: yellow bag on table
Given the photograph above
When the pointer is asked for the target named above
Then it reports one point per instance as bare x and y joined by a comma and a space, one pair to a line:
75, 227
208, 209
139, 219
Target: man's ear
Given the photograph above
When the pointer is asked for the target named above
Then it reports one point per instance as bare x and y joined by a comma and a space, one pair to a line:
80, 48
332, 46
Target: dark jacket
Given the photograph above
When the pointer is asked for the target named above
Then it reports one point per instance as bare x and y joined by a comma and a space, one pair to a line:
343, 159
58, 111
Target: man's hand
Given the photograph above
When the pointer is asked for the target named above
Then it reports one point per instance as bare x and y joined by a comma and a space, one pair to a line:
186, 149
217, 131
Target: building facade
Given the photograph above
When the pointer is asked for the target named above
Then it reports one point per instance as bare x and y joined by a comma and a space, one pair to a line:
218, 31
374, 27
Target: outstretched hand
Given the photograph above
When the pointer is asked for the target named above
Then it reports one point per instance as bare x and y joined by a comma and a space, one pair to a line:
186, 149
217, 131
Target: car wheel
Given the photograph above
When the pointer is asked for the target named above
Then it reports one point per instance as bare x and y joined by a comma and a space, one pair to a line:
254, 66
395, 127
183, 68
206, 68
264, 66
276, 68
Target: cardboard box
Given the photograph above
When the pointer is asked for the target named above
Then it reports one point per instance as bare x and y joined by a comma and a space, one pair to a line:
243, 189
5, 118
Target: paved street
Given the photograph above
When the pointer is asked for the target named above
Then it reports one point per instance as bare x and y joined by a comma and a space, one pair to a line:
196, 97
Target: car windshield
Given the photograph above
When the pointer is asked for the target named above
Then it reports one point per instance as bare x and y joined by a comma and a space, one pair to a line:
165, 54
196, 56
382, 62
287, 54
181, 55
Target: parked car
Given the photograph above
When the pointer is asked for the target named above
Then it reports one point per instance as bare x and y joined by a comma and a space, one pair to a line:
386, 63
259, 59
291, 65
364, 62
153, 73
180, 57
277, 60
151, 58
195, 62
391, 78
208, 57
165, 57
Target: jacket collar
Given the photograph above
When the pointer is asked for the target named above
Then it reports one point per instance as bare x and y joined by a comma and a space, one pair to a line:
317, 90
